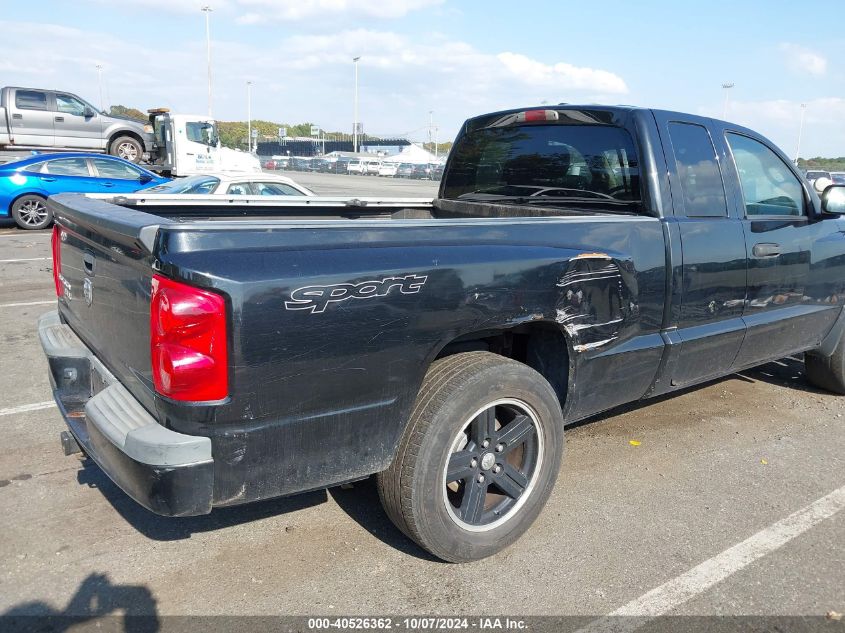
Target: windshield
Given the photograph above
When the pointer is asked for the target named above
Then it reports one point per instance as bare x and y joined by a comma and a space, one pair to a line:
592, 165
192, 184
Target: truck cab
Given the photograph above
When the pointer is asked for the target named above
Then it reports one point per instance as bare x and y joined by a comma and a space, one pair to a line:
189, 144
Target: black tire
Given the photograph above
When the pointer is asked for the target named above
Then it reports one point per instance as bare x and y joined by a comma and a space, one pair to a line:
525, 430
827, 372
127, 148
32, 213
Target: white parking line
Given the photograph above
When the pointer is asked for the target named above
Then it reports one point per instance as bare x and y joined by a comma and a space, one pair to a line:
28, 407
26, 303
699, 579
28, 259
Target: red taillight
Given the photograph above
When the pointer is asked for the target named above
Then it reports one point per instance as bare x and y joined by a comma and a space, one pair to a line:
56, 244
188, 341
529, 116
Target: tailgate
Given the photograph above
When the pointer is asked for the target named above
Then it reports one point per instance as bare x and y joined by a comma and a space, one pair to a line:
106, 270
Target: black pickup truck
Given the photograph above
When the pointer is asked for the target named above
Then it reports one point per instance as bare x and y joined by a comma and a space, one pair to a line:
212, 352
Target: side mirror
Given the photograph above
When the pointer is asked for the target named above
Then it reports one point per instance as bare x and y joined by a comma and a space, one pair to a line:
833, 199
88, 112
144, 178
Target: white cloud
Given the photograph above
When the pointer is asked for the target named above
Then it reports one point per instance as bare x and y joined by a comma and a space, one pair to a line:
561, 75
302, 77
260, 11
803, 60
779, 120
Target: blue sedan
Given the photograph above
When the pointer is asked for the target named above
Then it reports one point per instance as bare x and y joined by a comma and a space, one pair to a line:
25, 184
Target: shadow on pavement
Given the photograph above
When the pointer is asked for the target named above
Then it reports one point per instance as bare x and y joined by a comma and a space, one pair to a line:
161, 528
362, 504
96, 597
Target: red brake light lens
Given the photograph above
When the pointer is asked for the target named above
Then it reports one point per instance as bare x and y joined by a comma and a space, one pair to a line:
529, 116
188, 342
56, 245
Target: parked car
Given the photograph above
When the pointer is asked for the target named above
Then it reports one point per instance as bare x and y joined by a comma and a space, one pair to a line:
234, 184
371, 167
444, 344
270, 164
404, 170
815, 174
436, 171
26, 184
37, 118
299, 163
838, 177
356, 166
420, 172
388, 169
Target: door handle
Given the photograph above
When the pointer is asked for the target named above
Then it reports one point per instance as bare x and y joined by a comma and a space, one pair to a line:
47, 179
59, 119
17, 116
88, 261
766, 250
108, 184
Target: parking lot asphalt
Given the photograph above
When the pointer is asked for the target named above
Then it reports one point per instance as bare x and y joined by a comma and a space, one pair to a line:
710, 469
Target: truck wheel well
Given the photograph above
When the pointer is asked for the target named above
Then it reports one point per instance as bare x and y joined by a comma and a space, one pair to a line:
542, 346
128, 133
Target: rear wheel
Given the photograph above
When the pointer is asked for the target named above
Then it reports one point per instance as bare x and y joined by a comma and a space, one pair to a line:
478, 459
31, 212
127, 148
827, 372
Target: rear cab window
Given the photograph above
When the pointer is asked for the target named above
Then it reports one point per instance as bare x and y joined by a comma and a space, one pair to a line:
30, 100
573, 158
698, 171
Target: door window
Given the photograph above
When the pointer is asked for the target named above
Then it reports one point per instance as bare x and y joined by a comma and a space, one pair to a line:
274, 189
768, 185
200, 132
68, 167
31, 100
69, 105
113, 169
698, 171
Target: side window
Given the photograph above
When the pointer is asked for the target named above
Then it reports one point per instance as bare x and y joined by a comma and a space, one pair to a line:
68, 167
698, 171
35, 168
239, 189
113, 169
275, 189
69, 105
31, 100
768, 185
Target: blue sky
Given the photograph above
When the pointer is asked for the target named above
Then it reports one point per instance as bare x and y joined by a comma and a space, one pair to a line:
457, 58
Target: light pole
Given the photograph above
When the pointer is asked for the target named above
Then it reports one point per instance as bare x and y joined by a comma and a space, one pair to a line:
207, 10
430, 125
100, 86
727, 88
249, 115
355, 123
800, 131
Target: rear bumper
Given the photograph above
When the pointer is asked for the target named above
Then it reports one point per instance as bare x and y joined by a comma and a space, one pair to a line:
169, 473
